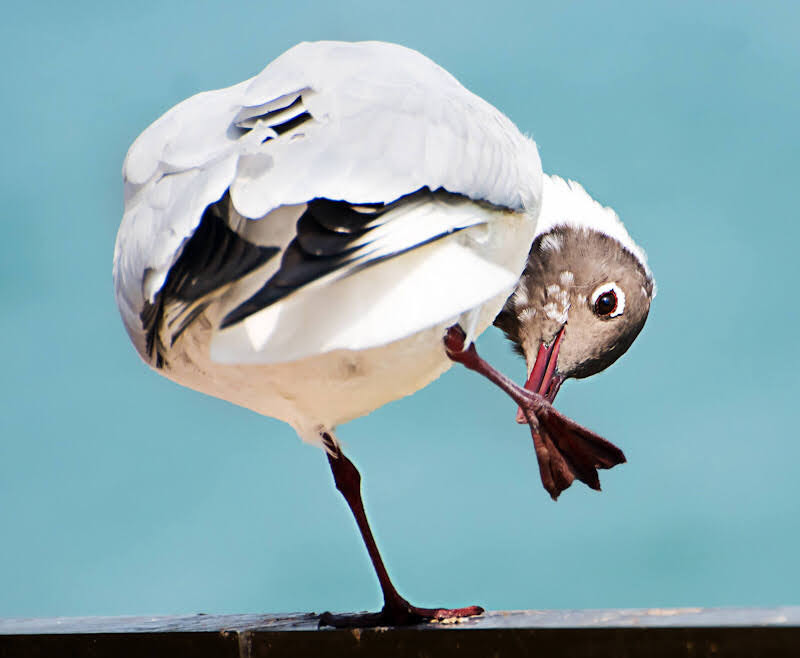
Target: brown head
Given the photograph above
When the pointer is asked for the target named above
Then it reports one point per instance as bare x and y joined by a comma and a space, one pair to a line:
584, 295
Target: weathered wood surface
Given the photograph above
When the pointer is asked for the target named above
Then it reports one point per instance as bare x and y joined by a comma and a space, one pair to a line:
691, 632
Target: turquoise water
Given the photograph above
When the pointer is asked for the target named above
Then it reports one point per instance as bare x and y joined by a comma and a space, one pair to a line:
121, 493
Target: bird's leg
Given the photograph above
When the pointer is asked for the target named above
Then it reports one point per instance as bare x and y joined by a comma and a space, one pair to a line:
565, 450
396, 610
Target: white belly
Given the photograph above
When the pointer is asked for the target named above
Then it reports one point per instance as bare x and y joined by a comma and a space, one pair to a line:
318, 392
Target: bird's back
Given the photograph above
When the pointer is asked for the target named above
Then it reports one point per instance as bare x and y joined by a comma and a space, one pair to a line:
233, 193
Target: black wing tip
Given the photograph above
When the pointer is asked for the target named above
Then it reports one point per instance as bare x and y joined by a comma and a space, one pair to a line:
240, 313
214, 256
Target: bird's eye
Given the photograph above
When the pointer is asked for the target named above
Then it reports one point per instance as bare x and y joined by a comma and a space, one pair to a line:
608, 300
606, 303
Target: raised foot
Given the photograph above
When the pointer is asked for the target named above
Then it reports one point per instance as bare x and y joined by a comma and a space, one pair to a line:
566, 450
400, 615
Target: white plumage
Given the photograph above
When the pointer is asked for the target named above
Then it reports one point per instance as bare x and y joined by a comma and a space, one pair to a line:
566, 203
366, 123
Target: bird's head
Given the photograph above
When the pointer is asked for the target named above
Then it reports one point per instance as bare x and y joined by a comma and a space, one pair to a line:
584, 295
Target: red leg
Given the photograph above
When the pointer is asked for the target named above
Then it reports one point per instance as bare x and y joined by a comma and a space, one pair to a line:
565, 450
396, 610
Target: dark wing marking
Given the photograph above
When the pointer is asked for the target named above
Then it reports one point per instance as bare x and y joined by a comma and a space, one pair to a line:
281, 119
316, 240
286, 126
342, 217
331, 235
151, 316
213, 257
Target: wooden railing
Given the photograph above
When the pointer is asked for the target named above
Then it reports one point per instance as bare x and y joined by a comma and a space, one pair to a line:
653, 633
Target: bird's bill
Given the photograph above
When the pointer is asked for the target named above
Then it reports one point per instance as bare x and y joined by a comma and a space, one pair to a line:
544, 378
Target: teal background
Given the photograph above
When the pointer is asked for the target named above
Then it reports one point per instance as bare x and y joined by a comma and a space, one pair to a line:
122, 493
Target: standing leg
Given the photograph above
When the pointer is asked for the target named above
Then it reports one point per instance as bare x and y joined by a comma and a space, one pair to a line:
396, 610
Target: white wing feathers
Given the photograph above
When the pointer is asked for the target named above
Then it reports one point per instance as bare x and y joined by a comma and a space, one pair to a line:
371, 100
367, 123
419, 288
353, 316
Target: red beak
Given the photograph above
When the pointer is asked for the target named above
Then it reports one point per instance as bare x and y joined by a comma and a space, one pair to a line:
544, 379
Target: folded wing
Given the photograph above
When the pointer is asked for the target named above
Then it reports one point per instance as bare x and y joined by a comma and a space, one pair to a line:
368, 124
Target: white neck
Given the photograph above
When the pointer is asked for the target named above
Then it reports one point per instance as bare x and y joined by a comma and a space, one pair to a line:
566, 203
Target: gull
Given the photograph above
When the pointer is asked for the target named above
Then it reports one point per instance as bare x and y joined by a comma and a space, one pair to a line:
335, 232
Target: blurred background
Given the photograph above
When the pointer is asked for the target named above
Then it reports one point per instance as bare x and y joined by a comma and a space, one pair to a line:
122, 493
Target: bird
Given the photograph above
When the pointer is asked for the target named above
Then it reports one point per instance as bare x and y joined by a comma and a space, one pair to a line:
335, 233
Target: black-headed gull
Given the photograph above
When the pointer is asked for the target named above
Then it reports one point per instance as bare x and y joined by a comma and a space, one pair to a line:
335, 232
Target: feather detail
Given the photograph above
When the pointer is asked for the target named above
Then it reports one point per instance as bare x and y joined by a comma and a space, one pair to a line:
368, 123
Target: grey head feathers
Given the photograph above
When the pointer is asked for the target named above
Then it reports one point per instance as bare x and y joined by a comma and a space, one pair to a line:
567, 203
591, 282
